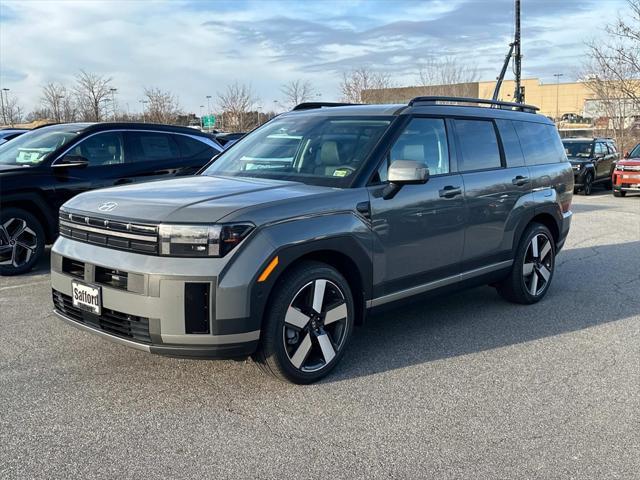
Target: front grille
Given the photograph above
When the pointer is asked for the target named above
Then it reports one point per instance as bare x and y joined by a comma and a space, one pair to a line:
111, 321
134, 237
629, 168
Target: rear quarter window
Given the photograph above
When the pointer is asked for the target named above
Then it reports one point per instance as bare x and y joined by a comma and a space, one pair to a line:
540, 143
510, 143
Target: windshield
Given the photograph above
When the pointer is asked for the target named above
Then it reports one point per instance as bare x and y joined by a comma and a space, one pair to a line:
578, 149
635, 153
311, 149
32, 148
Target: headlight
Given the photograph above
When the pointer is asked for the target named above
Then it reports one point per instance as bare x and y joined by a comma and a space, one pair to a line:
201, 240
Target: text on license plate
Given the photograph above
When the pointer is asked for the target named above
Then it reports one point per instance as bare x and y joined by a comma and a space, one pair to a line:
86, 297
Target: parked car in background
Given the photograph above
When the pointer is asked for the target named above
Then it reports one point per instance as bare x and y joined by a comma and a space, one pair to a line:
7, 134
592, 160
285, 242
228, 139
42, 169
626, 176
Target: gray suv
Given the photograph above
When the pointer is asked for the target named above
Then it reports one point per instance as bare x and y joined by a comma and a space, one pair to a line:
286, 241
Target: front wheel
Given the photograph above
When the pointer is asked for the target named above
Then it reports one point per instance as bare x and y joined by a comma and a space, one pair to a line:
308, 324
619, 193
21, 241
533, 267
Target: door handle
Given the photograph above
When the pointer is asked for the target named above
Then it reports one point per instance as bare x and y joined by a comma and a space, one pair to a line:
450, 191
520, 180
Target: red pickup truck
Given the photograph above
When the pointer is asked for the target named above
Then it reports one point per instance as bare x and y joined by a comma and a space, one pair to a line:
626, 176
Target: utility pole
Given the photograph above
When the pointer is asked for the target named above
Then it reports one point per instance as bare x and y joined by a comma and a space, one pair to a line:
517, 59
557, 75
516, 53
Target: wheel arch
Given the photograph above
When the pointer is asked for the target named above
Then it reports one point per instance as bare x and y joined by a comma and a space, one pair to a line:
343, 253
37, 207
545, 215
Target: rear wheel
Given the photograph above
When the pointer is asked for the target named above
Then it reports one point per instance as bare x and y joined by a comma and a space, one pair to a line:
21, 241
533, 267
587, 189
308, 325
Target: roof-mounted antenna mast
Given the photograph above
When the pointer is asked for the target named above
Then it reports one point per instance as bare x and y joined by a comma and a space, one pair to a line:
518, 95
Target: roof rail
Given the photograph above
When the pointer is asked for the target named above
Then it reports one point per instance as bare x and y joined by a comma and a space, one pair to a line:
434, 100
313, 105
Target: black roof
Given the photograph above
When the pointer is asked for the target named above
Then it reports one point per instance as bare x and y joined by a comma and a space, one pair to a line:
96, 127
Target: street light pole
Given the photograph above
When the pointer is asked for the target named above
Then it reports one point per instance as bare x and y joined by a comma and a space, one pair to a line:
144, 117
201, 119
209, 107
113, 101
4, 115
557, 75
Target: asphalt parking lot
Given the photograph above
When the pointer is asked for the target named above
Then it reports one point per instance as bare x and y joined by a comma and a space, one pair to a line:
465, 386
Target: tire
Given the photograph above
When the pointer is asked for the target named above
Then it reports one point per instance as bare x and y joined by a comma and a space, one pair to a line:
298, 344
575, 190
619, 193
524, 287
21, 241
587, 189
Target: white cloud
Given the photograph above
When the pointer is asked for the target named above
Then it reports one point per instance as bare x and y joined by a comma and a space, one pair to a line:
171, 45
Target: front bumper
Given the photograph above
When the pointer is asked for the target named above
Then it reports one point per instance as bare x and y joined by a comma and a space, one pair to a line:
626, 181
151, 310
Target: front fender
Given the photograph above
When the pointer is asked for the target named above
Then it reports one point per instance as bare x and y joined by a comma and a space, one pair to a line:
240, 295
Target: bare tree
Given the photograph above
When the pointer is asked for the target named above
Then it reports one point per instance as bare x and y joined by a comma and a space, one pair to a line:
355, 83
446, 71
297, 91
53, 97
92, 93
236, 102
162, 107
13, 112
612, 73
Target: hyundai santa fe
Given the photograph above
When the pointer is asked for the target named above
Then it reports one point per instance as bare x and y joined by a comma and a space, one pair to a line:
285, 242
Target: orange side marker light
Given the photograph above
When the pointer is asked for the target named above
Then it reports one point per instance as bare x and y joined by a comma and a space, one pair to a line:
267, 271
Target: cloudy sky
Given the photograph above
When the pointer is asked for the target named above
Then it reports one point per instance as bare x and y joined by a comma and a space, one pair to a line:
195, 48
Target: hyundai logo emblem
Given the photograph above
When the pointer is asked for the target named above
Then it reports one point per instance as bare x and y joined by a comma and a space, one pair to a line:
107, 206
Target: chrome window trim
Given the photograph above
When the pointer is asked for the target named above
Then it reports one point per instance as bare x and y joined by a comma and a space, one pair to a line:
205, 140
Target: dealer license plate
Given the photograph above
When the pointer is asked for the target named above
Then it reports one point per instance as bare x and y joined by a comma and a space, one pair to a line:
86, 297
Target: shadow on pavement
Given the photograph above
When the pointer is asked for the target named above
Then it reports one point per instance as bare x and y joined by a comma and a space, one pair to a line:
591, 286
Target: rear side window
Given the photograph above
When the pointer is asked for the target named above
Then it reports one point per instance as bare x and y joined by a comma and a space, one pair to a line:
193, 148
478, 145
150, 146
510, 143
540, 143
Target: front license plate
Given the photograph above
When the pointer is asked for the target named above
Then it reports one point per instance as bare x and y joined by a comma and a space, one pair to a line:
86, 297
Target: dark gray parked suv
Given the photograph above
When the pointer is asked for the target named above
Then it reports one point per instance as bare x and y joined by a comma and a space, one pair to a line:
283, 244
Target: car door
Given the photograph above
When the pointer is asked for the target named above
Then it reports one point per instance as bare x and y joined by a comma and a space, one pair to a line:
106, 166
493, 189
153, 155
602, 160
419, 232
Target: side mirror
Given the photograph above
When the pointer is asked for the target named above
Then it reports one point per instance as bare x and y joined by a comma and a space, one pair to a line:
72, 161
627, 155
404, 172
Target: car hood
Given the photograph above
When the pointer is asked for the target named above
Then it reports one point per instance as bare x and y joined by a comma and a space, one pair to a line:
200, 199
629, 161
